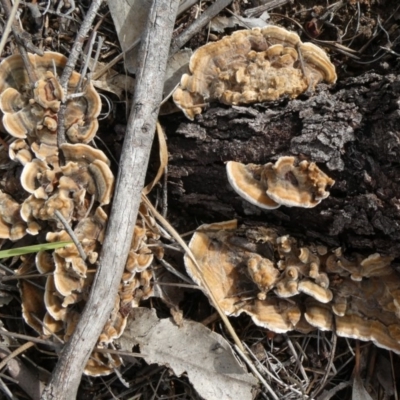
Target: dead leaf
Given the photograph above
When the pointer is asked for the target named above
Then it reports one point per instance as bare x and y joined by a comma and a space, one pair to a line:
205, 356
129, 17
177, 65
359, 391
117, 84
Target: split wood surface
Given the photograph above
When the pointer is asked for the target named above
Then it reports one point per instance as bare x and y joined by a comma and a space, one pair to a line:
133, 165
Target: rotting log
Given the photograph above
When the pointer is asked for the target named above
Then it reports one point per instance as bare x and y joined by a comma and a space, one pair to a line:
133, 165
351, 130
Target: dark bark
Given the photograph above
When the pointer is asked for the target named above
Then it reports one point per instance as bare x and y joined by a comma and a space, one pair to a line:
352, 131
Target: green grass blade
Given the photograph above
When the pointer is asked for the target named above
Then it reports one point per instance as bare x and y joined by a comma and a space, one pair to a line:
32, 249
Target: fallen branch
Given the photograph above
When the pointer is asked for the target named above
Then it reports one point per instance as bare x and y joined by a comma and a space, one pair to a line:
133, 165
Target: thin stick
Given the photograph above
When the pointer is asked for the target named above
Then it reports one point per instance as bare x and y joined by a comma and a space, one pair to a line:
199, 24
21, 44
328, 368
206, 285
71, 62
16, 353
71, 234
130, 181
256, 373
7, 29
97, 74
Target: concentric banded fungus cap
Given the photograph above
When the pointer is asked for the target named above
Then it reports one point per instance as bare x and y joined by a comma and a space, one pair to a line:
296, 186
318, 315
11, 224
53, 301
312, 289
33, 306
89, 169
277, 315
376, 265
252, 66
216, 262
19, 151
288, 284
50, 325
247, 181
92, 227
37, 178
317, 62
115, 325
83, 153
100, 365
357, 327
25, 110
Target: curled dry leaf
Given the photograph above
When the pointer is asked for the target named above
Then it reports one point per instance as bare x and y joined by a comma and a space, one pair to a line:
250, 66
303, 288
205, 356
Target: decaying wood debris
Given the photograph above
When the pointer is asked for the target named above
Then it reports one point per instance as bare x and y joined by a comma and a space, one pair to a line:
326, 140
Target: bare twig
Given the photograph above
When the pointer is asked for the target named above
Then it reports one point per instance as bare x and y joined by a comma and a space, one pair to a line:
270, 5
23, 38
7, 29
322, 382
134, 159
71, 234
184, 5
205, 283
70, 66
15, 353
199, 24
256, 373
22, 44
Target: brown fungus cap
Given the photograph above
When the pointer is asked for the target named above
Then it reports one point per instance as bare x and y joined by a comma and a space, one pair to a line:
247, 181
38, 179
82, 153
357, 327
323, 295
11, 224
217, 263
263, 272
33, 305
282, 183
25, 111
19, 151
51, 326
53, 300
100, 365
46, 153
303, 185
318, 315
65, 279
89, 172
277, 315
252, 66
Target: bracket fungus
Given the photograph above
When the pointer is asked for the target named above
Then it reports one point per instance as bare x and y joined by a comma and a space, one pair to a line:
249, 66
75, 189
26, 111
12, 225
286, 183
295, 287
